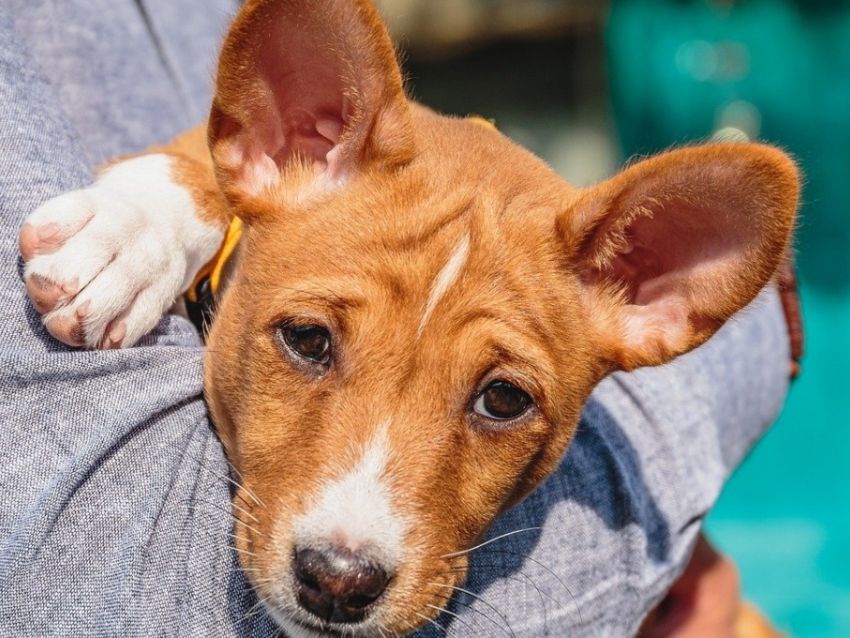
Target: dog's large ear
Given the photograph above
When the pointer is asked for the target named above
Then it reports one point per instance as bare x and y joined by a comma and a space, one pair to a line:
673, 246
306, 90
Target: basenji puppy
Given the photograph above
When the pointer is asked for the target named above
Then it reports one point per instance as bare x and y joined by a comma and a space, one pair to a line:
417, 310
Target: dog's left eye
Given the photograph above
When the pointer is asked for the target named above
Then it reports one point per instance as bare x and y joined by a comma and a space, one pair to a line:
311, 343
502, 401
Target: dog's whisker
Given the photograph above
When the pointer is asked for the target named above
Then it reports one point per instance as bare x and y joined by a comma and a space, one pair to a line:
256, 609
529, 579
548, 569
443, 610
507, 629
539, 591
221, 508
431, 621
246, 552
244, 488
250, 492
244, 540
488, 542
249, 527
404, 612
244, 511
540, 594
238, 565
229, 513
474, 610
239, 486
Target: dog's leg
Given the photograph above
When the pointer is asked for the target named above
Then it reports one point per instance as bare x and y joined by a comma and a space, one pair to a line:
104, 263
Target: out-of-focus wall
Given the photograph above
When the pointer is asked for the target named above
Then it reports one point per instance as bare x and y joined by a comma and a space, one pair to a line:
440, 27
534, 66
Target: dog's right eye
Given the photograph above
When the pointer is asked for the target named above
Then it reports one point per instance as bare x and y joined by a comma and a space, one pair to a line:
310, 343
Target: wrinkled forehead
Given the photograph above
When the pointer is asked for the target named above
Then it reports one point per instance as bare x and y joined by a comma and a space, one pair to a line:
412, 248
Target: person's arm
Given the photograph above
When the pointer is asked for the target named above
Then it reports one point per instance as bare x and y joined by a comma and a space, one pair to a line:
113, 516
116, 517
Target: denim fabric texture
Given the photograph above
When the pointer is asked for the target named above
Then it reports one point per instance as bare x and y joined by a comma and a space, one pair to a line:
113, 510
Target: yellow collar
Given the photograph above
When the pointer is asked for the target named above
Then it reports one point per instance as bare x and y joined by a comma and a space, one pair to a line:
482, 121
213, 269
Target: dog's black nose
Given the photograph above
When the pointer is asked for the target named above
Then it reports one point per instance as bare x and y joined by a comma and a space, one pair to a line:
336, 584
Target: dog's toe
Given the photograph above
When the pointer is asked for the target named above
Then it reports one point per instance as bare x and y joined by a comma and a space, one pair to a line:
44, 293
68, 327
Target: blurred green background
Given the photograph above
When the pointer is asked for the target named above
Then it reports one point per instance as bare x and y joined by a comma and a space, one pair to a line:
587, 85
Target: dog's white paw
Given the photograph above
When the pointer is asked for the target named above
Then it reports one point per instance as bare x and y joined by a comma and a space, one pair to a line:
98, 269
103, 264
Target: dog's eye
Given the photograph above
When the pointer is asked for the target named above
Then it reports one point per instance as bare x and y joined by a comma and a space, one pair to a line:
311, 343
502, 401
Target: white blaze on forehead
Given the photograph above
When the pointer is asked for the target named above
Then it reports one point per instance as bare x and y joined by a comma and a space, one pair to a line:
445, 278
357, 507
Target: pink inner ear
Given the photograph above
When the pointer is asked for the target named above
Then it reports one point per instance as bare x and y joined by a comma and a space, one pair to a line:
675, 263
310, 83
305, 103
675, 245
674, 253
309, 110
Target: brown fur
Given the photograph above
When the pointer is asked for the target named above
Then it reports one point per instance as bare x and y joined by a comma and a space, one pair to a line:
544, 299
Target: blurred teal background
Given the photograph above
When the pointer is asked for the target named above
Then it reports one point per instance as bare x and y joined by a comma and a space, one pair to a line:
588, 85
777, 71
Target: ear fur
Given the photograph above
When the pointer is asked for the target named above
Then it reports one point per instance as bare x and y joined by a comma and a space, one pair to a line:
306, 90
673, 246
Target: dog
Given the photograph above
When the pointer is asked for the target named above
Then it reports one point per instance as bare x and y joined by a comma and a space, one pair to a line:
416, 309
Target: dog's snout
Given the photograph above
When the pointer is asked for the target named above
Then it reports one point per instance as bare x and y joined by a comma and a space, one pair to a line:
337, 584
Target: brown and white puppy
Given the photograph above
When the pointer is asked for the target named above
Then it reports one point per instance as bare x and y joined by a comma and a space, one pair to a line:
419, 310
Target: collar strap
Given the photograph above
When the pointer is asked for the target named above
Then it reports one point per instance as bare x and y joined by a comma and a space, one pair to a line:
213, 269
482, 121
200, 297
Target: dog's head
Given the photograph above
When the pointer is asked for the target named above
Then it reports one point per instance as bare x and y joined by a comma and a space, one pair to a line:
421, 309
